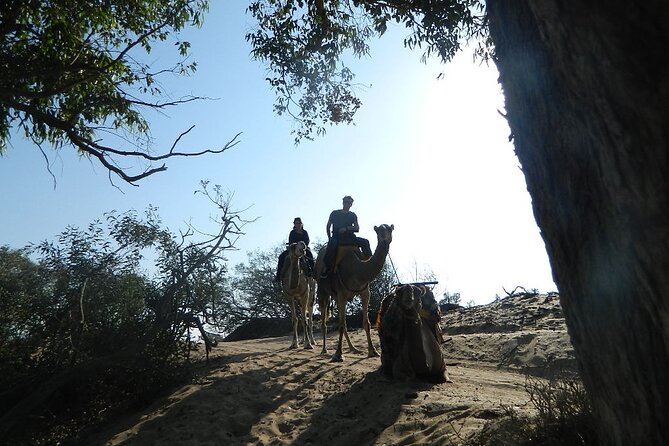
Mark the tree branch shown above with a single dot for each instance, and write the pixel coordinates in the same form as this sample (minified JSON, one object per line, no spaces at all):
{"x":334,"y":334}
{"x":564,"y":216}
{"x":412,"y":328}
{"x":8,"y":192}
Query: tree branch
{"x":102,"y":152}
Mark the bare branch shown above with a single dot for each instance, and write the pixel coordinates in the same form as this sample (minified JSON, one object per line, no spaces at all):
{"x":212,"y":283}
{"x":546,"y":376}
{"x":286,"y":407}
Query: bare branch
{"x":102,"y":152}
{"x":48,"y":165}
{"x":513,"y":293}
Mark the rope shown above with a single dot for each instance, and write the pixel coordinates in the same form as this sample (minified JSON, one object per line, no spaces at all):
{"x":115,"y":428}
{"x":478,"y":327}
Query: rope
{"x":394,"y":270}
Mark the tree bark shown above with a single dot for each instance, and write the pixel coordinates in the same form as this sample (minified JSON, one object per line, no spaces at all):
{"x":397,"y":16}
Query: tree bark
{"x":587,"y":98}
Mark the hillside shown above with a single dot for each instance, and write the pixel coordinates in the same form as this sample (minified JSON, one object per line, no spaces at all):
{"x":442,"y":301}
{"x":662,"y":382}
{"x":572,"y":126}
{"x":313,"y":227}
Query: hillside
{"x":260,"y":392}
{"x":525,"y":333}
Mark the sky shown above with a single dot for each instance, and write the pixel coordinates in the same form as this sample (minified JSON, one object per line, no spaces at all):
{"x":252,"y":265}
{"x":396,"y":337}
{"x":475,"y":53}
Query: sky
{"x":429,"y":154}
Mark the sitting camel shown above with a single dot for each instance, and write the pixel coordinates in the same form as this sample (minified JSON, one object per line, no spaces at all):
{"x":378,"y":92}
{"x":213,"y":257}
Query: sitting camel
{"x":408,"y":324}
{"x":299,"y":289}
{"x":351,"y":277}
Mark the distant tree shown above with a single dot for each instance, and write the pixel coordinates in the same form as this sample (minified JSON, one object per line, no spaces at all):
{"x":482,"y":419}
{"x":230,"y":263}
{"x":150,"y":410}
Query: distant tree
{"x":450,"y":298}
{"x":423,"y":273}
{"x":72,"y":72}
{"x":194,"y":274}
{"x":257,"y":295}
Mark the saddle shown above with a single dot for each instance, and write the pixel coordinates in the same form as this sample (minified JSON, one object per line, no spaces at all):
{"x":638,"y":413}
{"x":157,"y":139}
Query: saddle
{"x":344,"y":250}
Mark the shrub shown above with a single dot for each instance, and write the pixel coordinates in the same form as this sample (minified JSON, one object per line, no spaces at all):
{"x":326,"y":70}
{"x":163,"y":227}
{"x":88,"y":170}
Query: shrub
{"x":563,"y":417}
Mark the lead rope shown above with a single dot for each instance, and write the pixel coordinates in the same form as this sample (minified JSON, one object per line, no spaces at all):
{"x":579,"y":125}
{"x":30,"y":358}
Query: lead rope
{"x":394,"y":270}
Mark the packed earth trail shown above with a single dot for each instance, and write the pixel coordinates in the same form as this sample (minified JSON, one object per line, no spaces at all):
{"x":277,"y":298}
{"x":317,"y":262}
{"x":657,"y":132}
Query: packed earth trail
{"x":260,"y":392}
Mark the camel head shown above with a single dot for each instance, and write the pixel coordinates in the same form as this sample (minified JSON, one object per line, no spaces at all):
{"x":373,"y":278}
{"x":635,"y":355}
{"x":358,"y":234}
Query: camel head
{"x":384,"y":233}
{"x":408,"y":299}
{"x":298,"y":249}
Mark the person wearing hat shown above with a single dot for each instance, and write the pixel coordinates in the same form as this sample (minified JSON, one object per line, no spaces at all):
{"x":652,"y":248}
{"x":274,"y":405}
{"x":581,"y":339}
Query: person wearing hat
{"x":341,"y":228}
{"x":297,"y":234}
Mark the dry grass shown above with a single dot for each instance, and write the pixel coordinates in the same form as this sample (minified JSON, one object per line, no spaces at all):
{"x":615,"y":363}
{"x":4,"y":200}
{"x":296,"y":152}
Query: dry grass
{"x":563,"y":417}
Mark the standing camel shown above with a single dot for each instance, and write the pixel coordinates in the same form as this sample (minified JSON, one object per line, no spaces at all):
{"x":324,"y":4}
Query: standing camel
{"x":351,"y":277}
{"x":299,"y":289}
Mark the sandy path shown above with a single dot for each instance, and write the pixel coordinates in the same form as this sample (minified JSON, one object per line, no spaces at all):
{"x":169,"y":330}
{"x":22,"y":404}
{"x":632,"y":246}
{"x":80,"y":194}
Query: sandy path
{"x":259,"y":392}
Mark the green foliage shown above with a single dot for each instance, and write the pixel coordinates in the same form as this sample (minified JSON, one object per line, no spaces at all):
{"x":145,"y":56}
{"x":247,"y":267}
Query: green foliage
{"x":72,"y":70}
{"x":303,"y":44}
{"x":258,"y":295}
{"x":81,"y":304}
{"x":23,"y":297}
{"x":95,"y":291}
{"x":85,"y":330}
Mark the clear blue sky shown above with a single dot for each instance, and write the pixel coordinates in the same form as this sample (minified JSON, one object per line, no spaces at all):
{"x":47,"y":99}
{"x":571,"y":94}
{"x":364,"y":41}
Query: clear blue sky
{"x":430,"y":156}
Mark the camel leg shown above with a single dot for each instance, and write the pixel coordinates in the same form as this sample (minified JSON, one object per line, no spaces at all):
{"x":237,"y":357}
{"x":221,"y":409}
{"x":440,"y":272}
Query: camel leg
{"x":324,"y":308}
{"x":350,"y":344}
{"x":348,"y":340}
{"x":372,"y":352}
{"x":306,"y":323}
{"x":310,"y":311}
{"x":311,"y":330}
{"x":293,"y":316}
{"x":341,"y":310}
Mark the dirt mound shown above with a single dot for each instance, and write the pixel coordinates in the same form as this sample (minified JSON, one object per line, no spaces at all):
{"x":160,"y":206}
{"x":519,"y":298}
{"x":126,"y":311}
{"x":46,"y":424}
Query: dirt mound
{"x":526,"y":333}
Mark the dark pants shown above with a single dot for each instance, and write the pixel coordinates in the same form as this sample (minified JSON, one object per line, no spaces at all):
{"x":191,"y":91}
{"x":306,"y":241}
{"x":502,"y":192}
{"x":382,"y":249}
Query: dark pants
{"x":363,"y":243}
{"x":309,"y":263}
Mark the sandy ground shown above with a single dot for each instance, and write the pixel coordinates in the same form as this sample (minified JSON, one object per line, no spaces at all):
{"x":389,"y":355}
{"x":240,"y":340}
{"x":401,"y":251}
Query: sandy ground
{"x":259,"y":392}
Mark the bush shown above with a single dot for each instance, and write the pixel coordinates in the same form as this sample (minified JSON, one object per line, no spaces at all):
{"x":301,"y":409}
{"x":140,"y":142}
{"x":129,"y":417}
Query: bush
{"x":84,"y":331}
{"x":450,"y":298}
{"x":563,"y":417}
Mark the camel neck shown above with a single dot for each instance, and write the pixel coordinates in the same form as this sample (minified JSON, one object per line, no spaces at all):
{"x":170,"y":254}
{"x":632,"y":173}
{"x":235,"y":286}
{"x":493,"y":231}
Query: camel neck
{"x":375,"y":263}
{"x":293,"y":272}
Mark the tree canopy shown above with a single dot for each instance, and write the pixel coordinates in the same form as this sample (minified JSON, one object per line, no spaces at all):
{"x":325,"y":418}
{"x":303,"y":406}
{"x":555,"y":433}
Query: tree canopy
{"x":72,"y":73}
{"x":303,"y":43}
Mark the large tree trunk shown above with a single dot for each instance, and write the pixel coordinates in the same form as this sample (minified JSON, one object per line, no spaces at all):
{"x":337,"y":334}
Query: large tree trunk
{"x":587,"y":98}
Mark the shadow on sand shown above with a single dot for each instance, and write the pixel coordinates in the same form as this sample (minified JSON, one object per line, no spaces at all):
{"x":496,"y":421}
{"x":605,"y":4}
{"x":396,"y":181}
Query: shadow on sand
{"x":302,"y":399}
